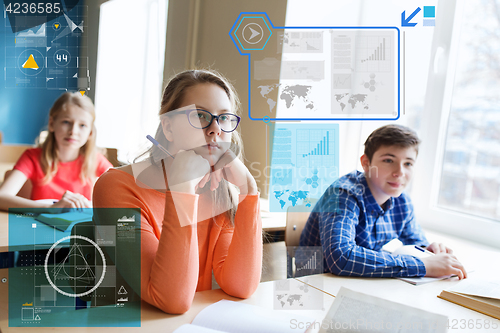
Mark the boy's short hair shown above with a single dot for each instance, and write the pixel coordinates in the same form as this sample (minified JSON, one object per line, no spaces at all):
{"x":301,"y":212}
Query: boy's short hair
{"x":390,"y":135}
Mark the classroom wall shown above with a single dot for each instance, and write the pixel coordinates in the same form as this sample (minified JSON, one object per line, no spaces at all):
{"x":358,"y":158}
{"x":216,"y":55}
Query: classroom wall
{"x":198,"y":36}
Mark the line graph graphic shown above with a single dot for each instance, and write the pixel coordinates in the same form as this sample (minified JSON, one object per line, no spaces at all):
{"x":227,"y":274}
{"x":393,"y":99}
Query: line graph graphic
{"x":282,"y":176}
{"x":341,"y":81}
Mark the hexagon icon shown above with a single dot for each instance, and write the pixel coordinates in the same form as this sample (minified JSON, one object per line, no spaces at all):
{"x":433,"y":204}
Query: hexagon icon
{"x":252,"y":32}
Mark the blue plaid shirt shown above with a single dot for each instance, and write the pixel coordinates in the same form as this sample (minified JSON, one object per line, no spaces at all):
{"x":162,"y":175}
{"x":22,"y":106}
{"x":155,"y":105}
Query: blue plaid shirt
{"x":352,"y":228}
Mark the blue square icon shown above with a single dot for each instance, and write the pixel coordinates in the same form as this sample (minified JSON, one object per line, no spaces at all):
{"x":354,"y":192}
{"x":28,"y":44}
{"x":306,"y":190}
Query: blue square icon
{"x":429,"y":11}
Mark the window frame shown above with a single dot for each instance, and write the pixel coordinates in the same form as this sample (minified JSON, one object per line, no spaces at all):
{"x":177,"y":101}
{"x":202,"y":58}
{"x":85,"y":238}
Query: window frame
{"x":436,"y":113}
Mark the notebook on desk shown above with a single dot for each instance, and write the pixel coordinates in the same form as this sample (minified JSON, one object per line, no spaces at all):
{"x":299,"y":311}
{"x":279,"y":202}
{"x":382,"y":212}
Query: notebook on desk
{"x":418,"y":252}
{"x":65,"y":221}
{"x":244,"y":318}
{"x":476,"y":294}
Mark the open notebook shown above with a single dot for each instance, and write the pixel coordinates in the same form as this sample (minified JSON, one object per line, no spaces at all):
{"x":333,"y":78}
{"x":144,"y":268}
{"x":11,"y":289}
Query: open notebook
{"x":228,"y":316}
{"x":66,"y":221}
{"x":476,"y":294}
{"x":353,"y":311}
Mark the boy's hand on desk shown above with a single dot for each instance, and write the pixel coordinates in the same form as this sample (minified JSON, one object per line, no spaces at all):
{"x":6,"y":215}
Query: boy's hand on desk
{"x":437,"y":248}
{"x":443,"y":264}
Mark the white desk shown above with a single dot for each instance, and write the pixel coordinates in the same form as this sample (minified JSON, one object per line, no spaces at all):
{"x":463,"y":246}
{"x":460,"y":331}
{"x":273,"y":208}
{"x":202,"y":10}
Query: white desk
{"x":271,"y":221}
{"x":482,"y":259}
{"x":153,"y":319}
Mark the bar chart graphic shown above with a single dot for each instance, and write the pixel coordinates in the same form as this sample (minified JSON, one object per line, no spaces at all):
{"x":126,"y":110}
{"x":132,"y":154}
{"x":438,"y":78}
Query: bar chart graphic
{"x":310,"y":264}
{"x":304,"y":162}
{"x":315,"y":148}
{"x":308,"y":260}
{"x":373,"y":53}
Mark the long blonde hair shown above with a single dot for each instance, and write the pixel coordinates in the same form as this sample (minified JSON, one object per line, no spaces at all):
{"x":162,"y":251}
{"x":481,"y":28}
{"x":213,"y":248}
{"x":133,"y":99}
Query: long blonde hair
{"x":173,"y":94}
{"x":49,"y":158}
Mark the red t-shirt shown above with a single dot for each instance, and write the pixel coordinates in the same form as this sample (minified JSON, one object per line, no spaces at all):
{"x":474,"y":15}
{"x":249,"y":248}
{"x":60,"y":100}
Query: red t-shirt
{"x":67,"y":177}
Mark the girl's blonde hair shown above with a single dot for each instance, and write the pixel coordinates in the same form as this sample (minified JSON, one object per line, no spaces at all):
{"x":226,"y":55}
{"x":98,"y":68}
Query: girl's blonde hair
{"x":50,"y":155}
{"x":174,"y":92}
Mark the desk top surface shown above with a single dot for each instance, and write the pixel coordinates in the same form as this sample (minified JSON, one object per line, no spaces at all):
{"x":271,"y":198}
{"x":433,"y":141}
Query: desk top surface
{"x":483,"y":259}
{"x":153,"y":319}
{"x":271,"y":222}
{"x":30,"y":234}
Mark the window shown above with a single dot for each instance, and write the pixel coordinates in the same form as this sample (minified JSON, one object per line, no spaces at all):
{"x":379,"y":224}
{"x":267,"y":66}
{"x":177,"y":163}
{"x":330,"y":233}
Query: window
{"x":458,"y":191}
{"x":129,"y":79}
{"x":470,"y":176}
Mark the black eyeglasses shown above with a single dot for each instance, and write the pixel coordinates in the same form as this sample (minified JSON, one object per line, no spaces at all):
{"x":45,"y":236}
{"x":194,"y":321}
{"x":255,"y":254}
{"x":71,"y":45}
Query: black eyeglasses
{"x":201,"y":118}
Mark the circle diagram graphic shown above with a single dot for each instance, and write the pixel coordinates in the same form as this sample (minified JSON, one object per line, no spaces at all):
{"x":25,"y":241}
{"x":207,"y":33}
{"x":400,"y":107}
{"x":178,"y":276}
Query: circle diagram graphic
{"x":30,"y":62}
{"x":250,"y":33}
{"x":80,"y":272}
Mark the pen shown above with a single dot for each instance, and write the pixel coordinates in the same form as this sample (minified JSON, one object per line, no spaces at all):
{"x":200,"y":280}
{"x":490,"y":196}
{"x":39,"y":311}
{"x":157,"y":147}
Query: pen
{"x":157,"y":144}
{"x":423,"y":250}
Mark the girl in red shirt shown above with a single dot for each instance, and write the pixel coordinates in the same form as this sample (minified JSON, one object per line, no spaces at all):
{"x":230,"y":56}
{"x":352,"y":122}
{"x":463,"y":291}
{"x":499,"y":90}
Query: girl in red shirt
{"x":65,"y":166}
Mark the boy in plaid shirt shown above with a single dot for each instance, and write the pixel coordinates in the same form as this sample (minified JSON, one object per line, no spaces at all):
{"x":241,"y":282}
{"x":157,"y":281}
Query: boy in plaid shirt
{"x":362,"y":211}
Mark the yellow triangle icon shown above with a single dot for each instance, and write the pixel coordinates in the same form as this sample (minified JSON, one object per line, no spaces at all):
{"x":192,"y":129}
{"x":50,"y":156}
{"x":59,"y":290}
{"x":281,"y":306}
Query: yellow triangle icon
{"x":30,"y":63}
{"x":82,"y":92}
{"x":56,"y":25}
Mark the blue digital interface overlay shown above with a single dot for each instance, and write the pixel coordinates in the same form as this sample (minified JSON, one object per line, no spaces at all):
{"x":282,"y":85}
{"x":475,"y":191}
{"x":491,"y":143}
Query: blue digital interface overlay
{"x":319,"y":73}
{"x":305,"y":161}
{"x":47,"y":50}
{"x":75,"y":269}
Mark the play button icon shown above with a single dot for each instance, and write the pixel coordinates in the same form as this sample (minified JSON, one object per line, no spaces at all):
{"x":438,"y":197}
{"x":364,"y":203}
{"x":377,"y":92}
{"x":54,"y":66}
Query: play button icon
{"x":252,"y":33}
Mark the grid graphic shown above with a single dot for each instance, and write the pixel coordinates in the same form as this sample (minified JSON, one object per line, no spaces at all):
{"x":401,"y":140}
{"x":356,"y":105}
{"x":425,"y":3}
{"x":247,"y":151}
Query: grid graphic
{"x":51,"y":55}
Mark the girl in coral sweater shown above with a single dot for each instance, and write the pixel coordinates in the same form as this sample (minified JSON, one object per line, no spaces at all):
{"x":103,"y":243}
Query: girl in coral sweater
{"x":199,"y":203}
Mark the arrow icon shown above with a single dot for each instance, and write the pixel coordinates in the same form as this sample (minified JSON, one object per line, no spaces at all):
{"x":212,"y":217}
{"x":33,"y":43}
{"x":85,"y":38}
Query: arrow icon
{"x":405,"y":22}
{"x":254,"y":33}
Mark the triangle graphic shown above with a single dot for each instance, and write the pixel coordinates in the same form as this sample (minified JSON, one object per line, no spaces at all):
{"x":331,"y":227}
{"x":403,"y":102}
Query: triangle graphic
{"x":254,"y":33}
{"x":56,"y":25}
{"x":88,"y":275}
{"x":30,"y":63}
{"x":122,"y":291}
{"x":38,"y":317}
{"x":83,"y":93}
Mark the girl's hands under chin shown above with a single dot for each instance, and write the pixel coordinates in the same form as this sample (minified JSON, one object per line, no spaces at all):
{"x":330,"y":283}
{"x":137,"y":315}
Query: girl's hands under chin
{"x":234,"y":171}
{"x":188,"y":172}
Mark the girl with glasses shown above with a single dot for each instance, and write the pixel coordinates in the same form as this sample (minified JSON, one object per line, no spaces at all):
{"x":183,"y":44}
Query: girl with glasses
{"x":199,"y":203}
